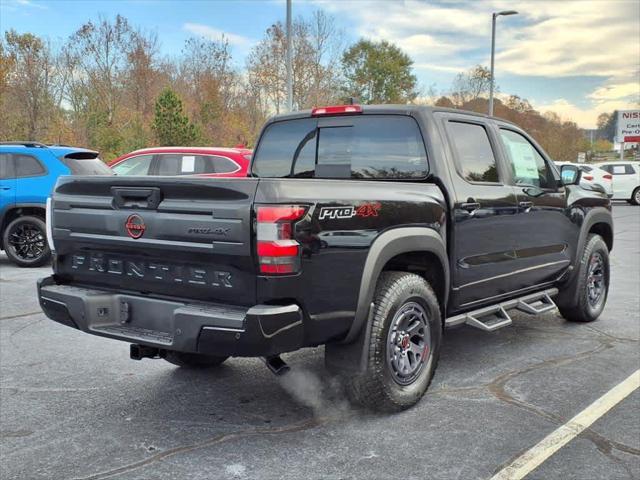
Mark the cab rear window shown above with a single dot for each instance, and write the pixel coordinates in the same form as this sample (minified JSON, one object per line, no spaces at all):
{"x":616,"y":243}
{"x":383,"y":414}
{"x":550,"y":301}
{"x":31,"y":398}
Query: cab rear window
{"x":356,"y":147}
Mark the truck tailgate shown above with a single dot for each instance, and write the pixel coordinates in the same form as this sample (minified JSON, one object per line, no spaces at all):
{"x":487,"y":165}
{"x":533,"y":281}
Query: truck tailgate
{"x":171,"y":236}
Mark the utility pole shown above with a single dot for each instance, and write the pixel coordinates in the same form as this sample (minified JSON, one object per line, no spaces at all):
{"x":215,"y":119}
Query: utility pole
{"x":494,"y":16}
{"x":289,"y":55}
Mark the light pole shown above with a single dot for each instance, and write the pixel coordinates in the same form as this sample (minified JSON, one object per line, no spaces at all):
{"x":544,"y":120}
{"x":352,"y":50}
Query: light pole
{"x":493,"y":50}
{"x":288,"y":60}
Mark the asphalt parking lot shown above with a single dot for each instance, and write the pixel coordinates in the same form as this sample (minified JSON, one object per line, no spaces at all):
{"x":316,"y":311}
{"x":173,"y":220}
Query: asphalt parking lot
{"x":74,"y":406}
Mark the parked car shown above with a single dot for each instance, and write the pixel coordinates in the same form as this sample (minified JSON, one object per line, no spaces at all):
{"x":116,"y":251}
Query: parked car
{"x":201,"y":161}
{"x":626,"y":180}
{"x":591,"y":176}
{"x":28,"y":172}
{"x":460,"y":219}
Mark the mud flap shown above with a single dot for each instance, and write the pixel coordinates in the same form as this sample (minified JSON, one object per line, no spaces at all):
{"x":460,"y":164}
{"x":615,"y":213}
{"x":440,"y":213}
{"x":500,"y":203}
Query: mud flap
{"x":350,"y":358}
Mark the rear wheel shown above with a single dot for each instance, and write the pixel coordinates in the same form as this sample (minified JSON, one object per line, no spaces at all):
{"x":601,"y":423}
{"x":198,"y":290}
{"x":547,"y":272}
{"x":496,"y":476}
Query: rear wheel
{"x":193,"y":360}
{"x":584,"y":298}
{"x":404,"y":347}
{"x":635,"y":197}
{"x":25,"y":242}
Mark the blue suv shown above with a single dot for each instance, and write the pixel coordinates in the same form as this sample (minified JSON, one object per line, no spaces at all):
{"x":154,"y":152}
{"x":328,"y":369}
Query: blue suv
{"x":28,"y":172}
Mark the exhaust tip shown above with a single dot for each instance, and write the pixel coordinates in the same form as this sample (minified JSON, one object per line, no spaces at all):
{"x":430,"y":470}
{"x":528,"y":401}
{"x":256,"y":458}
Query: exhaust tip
{"x":277,"y":366}
{"x":138,"y":352}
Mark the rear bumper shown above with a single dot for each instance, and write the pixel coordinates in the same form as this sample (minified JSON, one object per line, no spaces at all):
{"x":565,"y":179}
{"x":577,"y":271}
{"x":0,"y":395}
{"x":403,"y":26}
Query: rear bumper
{"x":172,"y":325}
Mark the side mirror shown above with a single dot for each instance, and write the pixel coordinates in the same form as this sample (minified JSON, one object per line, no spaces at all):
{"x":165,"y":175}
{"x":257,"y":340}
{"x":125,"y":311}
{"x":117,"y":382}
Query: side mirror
{"x":570,"y":175}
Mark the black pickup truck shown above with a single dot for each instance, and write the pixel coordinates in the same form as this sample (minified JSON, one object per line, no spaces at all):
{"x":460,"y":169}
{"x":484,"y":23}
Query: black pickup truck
{"x":367,"y":229}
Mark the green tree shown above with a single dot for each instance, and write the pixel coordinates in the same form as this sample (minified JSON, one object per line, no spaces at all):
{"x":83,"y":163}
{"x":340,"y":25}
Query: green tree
{"x":170,"y":125}
{"x":378,"y":72}
{"x":607,"y":125}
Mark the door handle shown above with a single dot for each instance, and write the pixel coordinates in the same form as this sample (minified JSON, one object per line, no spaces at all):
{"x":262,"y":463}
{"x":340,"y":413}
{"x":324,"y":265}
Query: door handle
{"x":5,"y":188}
{"x":526,"y":205}
{"x":470,"y":206}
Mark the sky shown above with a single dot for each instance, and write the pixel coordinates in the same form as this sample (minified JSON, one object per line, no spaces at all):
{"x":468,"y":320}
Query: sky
{"x":577,"y":58}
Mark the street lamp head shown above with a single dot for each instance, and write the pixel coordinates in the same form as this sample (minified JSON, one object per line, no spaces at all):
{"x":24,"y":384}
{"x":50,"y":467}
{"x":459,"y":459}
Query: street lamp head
{"x":506,"y":12}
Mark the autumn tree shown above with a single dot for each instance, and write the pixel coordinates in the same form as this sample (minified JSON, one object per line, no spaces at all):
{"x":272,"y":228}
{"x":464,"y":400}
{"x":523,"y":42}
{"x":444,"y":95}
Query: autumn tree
{"x":208,"y":83}
{"x":142,"y":73}
{"x":378,"y":72}
{"x":100,"y":51}
{"x":602,"y":145}
{"x":471,"y":85}
{"x":28,"y":84}
{"x":315,"y":54}
{"x":170,"y":125}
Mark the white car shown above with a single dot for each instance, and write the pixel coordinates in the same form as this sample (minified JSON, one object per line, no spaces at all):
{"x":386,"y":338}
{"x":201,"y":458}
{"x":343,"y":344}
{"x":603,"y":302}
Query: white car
{"x":592,"y":175}
{"x":626,"y":180}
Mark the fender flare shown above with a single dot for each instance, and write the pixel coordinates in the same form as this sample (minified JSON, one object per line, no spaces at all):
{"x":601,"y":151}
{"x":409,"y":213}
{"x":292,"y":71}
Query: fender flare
{"x":567,"y":294}
{"x":592,"y":218}
{"x":386,"y":246}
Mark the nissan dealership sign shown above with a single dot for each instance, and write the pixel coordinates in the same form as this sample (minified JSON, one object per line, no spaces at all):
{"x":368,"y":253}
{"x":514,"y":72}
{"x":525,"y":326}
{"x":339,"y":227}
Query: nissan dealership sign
{"x":628,"y":126}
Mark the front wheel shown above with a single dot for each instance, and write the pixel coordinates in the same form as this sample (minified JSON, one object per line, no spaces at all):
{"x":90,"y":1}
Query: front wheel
{"x":193,"y":360}
{"x":635,"y":197}
{"x":404,"y":346}
{"x":584,"y":298}
{"x":25,"y":242}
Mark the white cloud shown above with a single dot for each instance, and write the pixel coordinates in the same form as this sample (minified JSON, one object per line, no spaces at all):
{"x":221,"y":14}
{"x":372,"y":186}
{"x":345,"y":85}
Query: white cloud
{"x":546,"y":39}
{"x":575,"y":38}
{"x":584,"y":117}
{"x":617,"y":91}
{"x":216,"y":34}
{"x":19,"y":5}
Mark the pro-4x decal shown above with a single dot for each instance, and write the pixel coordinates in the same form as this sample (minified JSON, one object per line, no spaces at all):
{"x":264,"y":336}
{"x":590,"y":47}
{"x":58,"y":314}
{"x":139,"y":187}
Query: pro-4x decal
{"x":364,"y":210}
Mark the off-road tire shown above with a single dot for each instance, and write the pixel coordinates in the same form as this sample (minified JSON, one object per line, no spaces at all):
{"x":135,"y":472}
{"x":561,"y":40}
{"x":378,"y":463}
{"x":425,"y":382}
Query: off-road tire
{"x":573,"y":301}
{"x":376,"y":388}
{"x":35,"y":223}
{"x":193,"y":360}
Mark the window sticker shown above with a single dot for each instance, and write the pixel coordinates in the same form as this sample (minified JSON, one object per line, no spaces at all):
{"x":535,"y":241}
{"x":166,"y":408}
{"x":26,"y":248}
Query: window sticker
{"x":524,"y":161}
{"x":619,"y":169}
{"x":188,"y":164}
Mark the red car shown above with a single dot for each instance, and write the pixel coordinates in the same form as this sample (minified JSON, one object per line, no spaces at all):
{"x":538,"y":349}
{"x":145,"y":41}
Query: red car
{"x":201,"y":161}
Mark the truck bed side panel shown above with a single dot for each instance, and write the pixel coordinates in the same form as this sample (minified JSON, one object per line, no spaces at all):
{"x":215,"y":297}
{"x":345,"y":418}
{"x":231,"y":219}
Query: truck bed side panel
{"x":345,"y":217}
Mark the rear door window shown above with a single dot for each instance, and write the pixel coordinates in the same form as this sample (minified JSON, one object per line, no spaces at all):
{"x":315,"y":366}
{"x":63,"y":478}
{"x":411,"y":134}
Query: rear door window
{"x":625,"y":169}
{"x":28,"y":166}
{"x":222,"y":165}
{"x":193,"y":164}
{"x":134,"y":166}
{"x":6,"y":166}
{"x":473,"y":151}
{"x":357,"y":147}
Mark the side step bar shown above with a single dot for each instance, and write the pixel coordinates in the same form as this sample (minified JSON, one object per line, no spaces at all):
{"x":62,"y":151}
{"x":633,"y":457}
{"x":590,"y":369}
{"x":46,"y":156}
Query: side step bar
{"x":494,"y":317}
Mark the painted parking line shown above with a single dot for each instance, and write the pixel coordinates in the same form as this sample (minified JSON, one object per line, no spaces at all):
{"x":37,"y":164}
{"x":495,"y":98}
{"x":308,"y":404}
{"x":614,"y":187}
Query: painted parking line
{"x":553,"y":442}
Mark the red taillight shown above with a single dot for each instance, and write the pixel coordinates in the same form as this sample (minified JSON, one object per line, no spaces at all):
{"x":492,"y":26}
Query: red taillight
{"x":280,"y":213}
{"x":278,"y":251}
{"x":336,"y":110}
{"x":607,"y":176}
{"x":588,"y":177}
